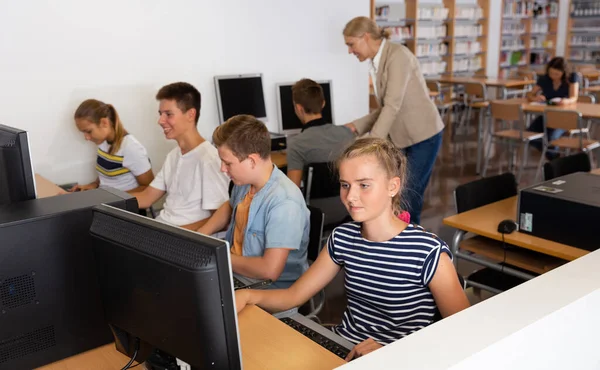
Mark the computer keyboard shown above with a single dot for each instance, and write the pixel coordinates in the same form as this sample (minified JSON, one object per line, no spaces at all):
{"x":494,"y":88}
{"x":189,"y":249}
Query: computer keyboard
{"x":321,"y":340}
{"x":237,"y":284}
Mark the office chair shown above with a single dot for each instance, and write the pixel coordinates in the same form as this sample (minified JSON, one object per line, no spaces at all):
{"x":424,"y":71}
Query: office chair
{"x":562,"y":166}
{"x":317,"y":219}
{"x":476,"y":194}
{"x":322,"y":188}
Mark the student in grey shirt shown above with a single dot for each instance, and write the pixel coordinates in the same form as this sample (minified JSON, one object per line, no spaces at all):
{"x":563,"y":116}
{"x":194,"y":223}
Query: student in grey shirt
{"x":319,"y":141}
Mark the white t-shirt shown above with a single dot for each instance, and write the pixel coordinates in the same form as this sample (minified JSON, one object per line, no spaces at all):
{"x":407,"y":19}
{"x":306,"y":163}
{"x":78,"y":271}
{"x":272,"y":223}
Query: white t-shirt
{"x":120,"y":169}
{"x":194,"y":185}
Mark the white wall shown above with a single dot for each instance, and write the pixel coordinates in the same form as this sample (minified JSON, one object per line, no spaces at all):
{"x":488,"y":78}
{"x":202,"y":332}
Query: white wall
{"x":55,"y":55}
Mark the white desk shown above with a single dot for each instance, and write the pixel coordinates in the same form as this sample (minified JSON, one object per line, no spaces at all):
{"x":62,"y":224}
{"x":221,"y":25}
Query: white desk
{"x":550,"y":322}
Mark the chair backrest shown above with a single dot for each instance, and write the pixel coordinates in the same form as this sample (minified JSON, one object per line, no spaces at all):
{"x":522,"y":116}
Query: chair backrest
{"x":433,"y":86}
{"x":562,"y":166}
{"x":321,"y":180}
{"x":562,"y":119}
{"x":476,"y":90}
{"x":485,"y":191}
{"x":586,"y":98}
{"x":506,"y":111}
{"x":527,"y":75}
{"x":317,"y":220}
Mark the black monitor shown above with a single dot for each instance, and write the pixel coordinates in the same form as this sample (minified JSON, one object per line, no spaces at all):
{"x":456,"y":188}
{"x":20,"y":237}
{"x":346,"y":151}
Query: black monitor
{"x":288,"y":121}
{"x":17,"y":181}
{"x":240,"y":94}
{"x":166,"y":288}
{"x":50,"y":306}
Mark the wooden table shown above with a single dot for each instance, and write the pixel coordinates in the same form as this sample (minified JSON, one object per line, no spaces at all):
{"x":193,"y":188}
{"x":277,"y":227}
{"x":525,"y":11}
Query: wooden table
{"x":279,"y":158}
{"x":484,"y":221}
{"x":46,"y":188}
{"x":266,"y":343}
{"x":502,"y":84}
{"x":587,"y":110}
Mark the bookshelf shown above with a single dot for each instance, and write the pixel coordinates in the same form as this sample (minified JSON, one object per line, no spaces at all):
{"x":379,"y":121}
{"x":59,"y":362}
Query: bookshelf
{"x":583,"y":37}
{"x":528,"y":32}
{"x":447,"y":36}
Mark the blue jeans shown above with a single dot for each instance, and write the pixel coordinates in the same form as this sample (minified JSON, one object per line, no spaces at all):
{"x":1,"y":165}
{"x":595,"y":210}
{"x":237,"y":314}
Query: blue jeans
{"x":421,"y":158}
{"x":538,"y":126}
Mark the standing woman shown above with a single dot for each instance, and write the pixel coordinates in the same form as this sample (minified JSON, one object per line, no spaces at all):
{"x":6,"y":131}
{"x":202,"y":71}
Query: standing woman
{"x":122,"y":161}
{"x":406,"y":115}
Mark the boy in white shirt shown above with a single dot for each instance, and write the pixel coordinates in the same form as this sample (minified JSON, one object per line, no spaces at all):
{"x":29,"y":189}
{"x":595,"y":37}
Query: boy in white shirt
{"x":191,"y":175}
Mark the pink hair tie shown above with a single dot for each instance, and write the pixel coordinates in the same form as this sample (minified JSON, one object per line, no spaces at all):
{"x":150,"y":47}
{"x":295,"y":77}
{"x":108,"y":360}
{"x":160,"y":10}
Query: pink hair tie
{"x":404,"y":216}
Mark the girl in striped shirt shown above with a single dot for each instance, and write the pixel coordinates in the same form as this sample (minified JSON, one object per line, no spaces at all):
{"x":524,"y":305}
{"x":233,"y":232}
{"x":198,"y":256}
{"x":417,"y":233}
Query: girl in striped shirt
{"x":396,"y":274}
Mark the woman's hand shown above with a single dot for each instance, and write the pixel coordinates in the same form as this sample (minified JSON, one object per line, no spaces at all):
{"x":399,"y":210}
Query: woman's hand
{"x":351,"y":127}
{"x":539,"y":98}
{"x":241,"y":299}
{"x":363,"y":348}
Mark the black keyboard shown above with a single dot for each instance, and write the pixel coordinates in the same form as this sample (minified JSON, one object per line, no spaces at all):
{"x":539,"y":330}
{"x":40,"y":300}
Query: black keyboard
{"x":237,"y":284}
{"x":321,"y":340}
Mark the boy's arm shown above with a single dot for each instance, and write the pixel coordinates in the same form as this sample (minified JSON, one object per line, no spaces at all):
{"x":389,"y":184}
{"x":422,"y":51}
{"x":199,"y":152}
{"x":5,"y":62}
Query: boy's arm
{"x":269,"y":266}
{"x":148,"y":196}
{"x":284,"y":232}
{"x":218,"y":221}
{"x":295,"y":176}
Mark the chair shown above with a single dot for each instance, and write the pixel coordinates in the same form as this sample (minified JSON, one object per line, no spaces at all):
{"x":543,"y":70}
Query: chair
{"x":562,"y":166}
{"x":476,"y":194}
{"x":320,"y":181}
{"x":588,"y":99}
{"x":317,"y":222}
{"x":565,"y":120}
{"x":513,"y":133}
{"x":442,"y":106}
{"x":475,"y":97}
{"x":322,"y":186}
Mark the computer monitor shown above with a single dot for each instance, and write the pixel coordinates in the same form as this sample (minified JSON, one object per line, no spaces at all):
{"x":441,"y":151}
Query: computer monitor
{"x":288,"y":121}
{"x":240,"y":94}
{"x":167,"y":288}
{"x":50,"y":306}
{"x":17,"y":181}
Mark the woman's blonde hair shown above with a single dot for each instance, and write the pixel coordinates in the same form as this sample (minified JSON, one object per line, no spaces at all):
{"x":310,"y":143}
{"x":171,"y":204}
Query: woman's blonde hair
{"x":94,"y":110}
{"x":390,"y":158}
{"x":361,"y":25}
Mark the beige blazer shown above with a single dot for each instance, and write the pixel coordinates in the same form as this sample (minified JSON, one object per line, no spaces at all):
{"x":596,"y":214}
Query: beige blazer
{"x":406,"y":115}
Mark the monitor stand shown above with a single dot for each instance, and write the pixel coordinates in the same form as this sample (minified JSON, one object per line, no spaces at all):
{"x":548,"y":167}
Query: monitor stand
{"x":160,"y":360}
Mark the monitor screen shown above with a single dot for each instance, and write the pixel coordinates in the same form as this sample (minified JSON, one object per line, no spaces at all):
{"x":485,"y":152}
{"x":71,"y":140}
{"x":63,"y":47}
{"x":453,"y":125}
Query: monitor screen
{"x":240,"y":94}
{"x":168,"y":288}
{"x":17,"y":181}
{"x":288,"y":121}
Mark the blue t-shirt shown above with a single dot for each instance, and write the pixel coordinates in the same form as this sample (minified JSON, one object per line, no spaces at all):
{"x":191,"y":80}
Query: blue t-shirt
{"x":545,"y":83}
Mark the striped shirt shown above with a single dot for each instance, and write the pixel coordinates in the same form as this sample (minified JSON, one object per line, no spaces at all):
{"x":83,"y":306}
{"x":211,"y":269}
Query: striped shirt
{"x":386,"y":282}
{"x":120,"y":170}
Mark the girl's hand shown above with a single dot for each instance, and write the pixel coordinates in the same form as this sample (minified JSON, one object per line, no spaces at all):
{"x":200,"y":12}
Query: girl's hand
{"x":241,"y":299}
{"x":363,"y":348}
{"x":83,"y":187}
{"x":539,"y":99}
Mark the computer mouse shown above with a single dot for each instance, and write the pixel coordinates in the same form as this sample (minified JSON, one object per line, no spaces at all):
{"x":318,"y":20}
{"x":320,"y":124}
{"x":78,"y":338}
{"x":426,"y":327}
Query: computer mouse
{"x":507,"y":226}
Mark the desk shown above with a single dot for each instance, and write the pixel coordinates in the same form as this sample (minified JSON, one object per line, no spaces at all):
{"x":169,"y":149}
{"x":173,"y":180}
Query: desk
{"x":46,"y":188}
{"x":266,"y":344}
{"x":279,"y":159}
{"x":510,"y":330}
{"x":491,"y":82}
{"x":596,"y":171}
{"x":587,"y":110}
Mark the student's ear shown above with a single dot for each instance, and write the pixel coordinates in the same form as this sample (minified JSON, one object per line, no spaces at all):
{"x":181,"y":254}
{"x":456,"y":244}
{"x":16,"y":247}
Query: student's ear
{"x":299,"y":108}
{"x":394,"y":185}
{"x":104,"y":122}
{"x":253,"y":158}
{"x":191,"y":114}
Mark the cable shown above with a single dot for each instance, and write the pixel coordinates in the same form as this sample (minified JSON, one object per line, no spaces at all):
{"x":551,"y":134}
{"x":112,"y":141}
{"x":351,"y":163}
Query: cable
{"x":135,"y":352}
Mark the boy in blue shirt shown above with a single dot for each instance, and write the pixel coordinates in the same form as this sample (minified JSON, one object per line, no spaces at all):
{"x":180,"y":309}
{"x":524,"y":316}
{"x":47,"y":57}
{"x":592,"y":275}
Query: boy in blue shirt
{"x":267,"y":216}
